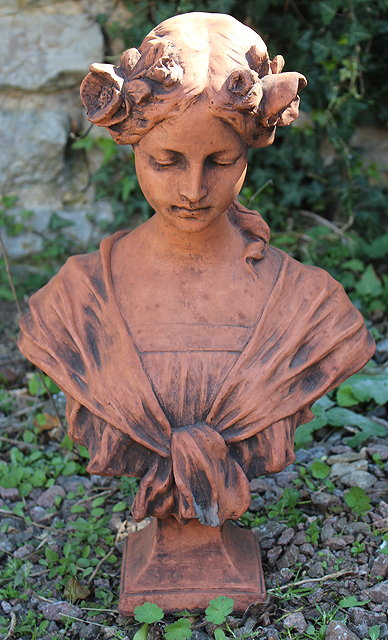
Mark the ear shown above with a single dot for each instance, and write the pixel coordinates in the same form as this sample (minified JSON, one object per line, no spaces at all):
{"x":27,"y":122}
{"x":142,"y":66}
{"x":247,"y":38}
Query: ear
{"x":280,"y":100}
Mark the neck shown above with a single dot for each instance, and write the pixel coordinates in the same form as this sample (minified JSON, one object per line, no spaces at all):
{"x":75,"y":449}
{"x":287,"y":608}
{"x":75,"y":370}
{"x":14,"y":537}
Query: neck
{"x":218,"y":242}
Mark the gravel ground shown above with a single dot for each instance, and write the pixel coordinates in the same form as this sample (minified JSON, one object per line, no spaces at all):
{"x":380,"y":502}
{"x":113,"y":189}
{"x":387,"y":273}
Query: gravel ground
{"x":324,"y":561}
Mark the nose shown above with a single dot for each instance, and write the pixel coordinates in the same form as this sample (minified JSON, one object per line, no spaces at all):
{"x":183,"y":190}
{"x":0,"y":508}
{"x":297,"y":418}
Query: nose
{"x":193,"y":187}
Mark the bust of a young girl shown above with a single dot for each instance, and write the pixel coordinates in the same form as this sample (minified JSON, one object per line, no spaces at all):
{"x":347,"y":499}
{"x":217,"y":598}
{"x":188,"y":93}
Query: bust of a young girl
{"x":190,"y":350}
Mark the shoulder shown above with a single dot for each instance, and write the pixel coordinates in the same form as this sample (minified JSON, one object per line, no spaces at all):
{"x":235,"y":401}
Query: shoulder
{"x":302,"y":276}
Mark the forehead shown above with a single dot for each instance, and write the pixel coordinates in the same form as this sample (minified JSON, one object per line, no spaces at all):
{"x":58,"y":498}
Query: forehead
{"x":195,"y":132}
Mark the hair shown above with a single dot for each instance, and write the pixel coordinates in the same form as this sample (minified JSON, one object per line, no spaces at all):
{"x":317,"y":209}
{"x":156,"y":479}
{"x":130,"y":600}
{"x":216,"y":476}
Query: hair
{"x":187,"y":57}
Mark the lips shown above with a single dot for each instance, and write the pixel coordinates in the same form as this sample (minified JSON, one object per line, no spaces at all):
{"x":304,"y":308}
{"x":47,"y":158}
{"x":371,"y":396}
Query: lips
{"x":185,"y":212}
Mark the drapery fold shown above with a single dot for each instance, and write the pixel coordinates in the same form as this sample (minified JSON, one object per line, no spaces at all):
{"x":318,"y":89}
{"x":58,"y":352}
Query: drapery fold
{"x":307,"y":338}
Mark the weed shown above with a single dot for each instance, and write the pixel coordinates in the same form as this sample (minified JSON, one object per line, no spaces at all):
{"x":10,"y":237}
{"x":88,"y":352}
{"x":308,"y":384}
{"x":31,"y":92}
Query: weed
{"x":357,"y":501}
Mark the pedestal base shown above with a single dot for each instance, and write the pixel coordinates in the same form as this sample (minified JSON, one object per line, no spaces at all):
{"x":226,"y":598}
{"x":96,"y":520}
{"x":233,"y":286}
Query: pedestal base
{"x":183,"y":567}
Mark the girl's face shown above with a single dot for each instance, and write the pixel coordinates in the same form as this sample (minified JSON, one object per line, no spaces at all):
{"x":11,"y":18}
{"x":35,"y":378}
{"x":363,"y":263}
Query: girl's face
{"x":191,"y":168}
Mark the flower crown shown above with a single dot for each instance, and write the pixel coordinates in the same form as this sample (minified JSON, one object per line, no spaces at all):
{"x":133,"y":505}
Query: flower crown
{"x":115,"y":95}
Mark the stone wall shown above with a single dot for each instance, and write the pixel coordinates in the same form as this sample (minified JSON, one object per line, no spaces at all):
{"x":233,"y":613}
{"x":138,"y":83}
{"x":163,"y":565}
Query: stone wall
{"x":46,"y":47}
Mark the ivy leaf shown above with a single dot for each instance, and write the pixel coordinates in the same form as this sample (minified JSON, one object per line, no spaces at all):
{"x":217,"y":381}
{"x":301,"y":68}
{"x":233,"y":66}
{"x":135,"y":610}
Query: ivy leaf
{"x":148,"y":612}
{"x":319,"y":469}
{"x":357,"y":500}
{"x":345,"y":396}
{"x":218,"y":609}
{"x":351,"y":601}
{"x":328,"y":11}
{"x":179,"y":630}
{"x":369,"y":284}
{"x":120,"y":506}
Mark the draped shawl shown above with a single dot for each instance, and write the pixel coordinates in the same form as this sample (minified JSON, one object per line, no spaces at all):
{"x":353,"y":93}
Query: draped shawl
{"x":307,"y":339}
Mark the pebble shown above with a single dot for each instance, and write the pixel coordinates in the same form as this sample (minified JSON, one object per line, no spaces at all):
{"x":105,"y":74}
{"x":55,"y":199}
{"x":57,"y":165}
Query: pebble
{"x":286,"y":536}
{"x":316,"y":596}
{"x":57,"y":610}
{"x":6,"y":607}
{"x":289,"y":558}
{"x":268,"y":532}
{"x":353,"y":528}
{"x":261,"y":485}
{"x":379,"y":567}
{"x":327,"y":531}
{"x":378,"y":593}
{"x":340,"y":469}
{"x":316,"y":570}
{"x":9,"y":493}
{"x":300,"y":538}
{"x":285,"y":478}
{"x":339,"y":542}
{"x":71,"y":483}
{"x":24,"y":551}
{"x":345,"y":458}
{"x":273,"y":554}
{"x":47,"y":499}
{"x":307,"y":549}
{"x":37,"y":513}
{"x":357,"y":615}
{"x":379,"y":449}
{"x":6,"y":543}
{"x":337,"y":631}
{"x":324,"y":501}
{"x":362,"y":479}
{"x":295,"y":621}
{"x":381,"y":353}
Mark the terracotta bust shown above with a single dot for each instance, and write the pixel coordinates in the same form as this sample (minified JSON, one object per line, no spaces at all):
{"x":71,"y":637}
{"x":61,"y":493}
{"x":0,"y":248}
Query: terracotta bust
{"x":189,"y":349}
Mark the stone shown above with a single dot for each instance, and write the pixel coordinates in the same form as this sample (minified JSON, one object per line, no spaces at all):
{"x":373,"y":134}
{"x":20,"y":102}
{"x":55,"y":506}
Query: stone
{"x":316,"y":570}
{"x":299,"y":538}
{"x":273,"y":554}
{"x":72,"y":483}
{"x":307,"y":549}
{"x":338,"y":542}
{"x":346,"y":457}
{"x":378,"y":593}
{"x":289,"y":557}
{"x":340,"y":469}
{"x":10,"y":493}
{"x":47,"y":499}
{"x":268,"y":532}
{"x":338,"y":631}
{"x":38,"y":514}
{"x":6,"y":607}
{"x":357,"y":615}
{"x":379,"y":567}
{"x":57,"y":611}
{"x":286,"y":536}
{"x":327,"y":531}
{"x":295,"y":621}
{"x":24,"y":551}
{"x":35,"y":141}
{"x":54,"y":50}
{"x":362,"y":479}
{"x":324,"y":501}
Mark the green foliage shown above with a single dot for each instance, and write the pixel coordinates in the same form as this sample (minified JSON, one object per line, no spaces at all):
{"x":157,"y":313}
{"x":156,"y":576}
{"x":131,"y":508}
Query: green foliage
{"x":368,"y":388}
{"x":351,"y":601}
{"x":374,"y":632}
{"x":357,"y":500}
{"x":218,"y":610}
{"x":178,"y":630}
{"x":319,"y":469}
{"x":286,"y":508}
{"x":39,"y":384}
{"x":148,"y":612}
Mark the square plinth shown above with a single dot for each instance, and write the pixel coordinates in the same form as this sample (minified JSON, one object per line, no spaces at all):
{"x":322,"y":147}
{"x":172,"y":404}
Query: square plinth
{"x":184,"y":566}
